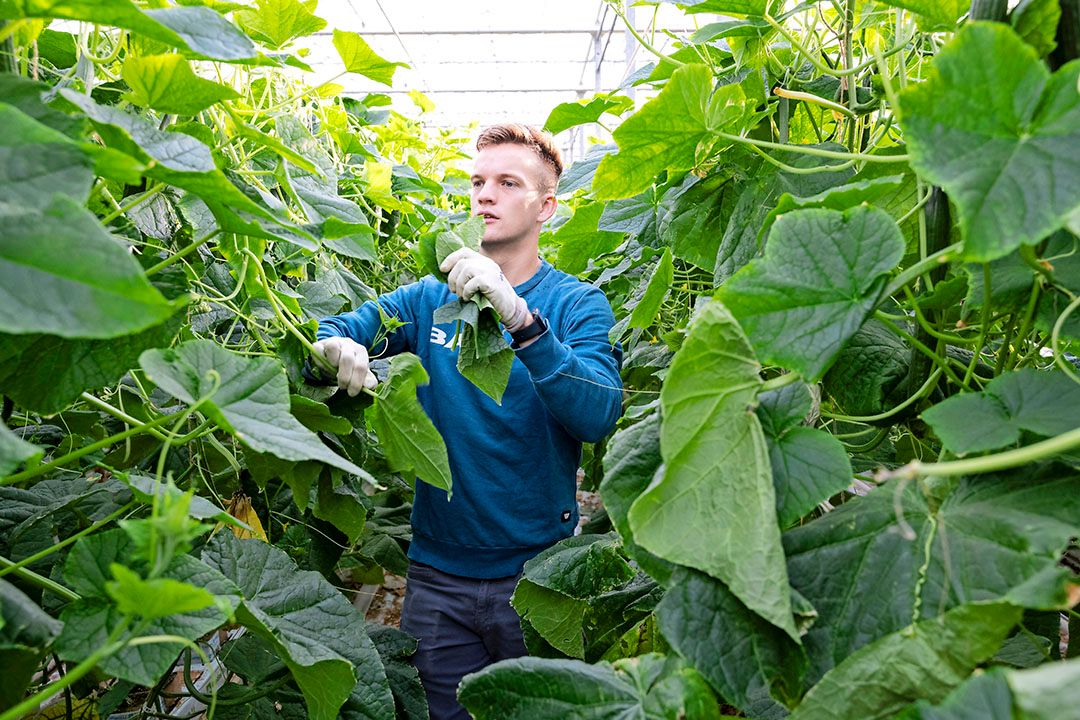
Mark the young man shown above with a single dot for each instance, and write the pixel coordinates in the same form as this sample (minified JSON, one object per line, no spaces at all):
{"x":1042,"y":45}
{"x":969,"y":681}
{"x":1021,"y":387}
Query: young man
{"x":514,"y":466}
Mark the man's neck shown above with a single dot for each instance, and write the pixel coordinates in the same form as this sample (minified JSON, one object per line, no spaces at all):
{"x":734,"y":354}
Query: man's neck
{"x":518,"y":263}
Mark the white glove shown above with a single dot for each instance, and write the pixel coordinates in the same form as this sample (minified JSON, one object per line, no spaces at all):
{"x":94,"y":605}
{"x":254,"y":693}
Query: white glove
{"x":469,"y":272}
{"x":351,"y":360}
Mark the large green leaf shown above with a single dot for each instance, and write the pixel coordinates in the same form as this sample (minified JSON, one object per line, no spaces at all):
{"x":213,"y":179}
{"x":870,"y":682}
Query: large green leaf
{"x":934,"y":14}
{"x":167,"y":84}
{"x":275,"y":23}
{"x":557,"y":617}
{"x":655,"y":291}
{"x":406,"y":434}
{"x":569,"y":114}
{"x":740,"y":654}
{"x":1043,"y":403}
{"x":822,"y":274}
{"x":361,"y":59}
{"x":1046,"y":692}
{"x":32,"y":519}
{"x":247,"y":396}
{"x":120,"y":13}
{"x":714,"y":507}
{"x":981,"y":544}
{"x":22,"y":622}
{"x":37,"y":162}
{"x":88,"y":622}
{"x":484,"y":356}
{"x":630,"y":462}
{"x":311,"y":625}
{"x":997,"y":131}
{"x":870,"y":366}
{"x":139,"y":138}
{"x":983,"y":696}
{"x":14,"y":451}
{"x":46,"y":287}
{"x":808,"y":465}
{"x":184,"y":161}
{"x":198,"y":29}
{"x":25,"y":631}
{"x":694,"y":223}
{"x":552,"y":594}
{"x":1037,"y":22}
{"x":738,"y":7}
{"x":46,"y":373}
{"x":840,"y":197}
{"x":923,"y":661}
{"x":580,"y":174}
{"x":757,"y":196}
{"x":581,"y":240}
{"x":673,"y":131}
{"x":394,"y":648}
{"x":206,"y":33}
{"x":538,"y":689}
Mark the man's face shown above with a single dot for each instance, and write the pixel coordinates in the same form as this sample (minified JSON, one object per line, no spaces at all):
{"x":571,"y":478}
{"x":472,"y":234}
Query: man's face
{"x":508,"y":192}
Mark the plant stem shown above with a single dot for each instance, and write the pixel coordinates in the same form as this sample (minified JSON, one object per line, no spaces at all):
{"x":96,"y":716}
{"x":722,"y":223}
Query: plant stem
{"x":119,"y":414}
{"x":928,"y":263}
{"x":915,"y":397}
{"x":792,"y":170}
{"x":992,"y":463}
{"x":76,"y":454}
{"x":815,"y":99}
{"x":817,"y":152}
{"x":39,"y":580}
{"x":183,"y":253}
{"x":149,"y":194}
{"x":930,"y":329}
{"x":985,"y":329}
{"x":822,"y":67}
{"x":1055,"y":334}
{"x":919,"y":345}
{"x":617,"y":7}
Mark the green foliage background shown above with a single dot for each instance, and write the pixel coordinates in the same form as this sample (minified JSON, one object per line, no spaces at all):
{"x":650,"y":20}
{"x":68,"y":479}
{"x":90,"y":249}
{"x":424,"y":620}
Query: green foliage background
{"x":840,"y":239}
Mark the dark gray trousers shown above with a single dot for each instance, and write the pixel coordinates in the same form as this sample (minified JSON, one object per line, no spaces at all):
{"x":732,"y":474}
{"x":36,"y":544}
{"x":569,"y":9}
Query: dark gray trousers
{"x":463,"y":625}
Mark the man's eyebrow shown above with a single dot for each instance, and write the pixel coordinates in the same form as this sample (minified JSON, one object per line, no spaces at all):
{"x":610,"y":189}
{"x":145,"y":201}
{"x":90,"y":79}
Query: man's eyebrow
{"x":499,"y":175}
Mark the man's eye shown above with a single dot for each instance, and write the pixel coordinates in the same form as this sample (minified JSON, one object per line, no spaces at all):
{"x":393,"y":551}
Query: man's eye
{"x":476,"y":183}
{"x":509,"y":183}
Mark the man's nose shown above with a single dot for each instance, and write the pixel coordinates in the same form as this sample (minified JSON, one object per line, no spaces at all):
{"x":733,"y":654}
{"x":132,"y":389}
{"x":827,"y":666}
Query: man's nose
{"x":485,"y":193}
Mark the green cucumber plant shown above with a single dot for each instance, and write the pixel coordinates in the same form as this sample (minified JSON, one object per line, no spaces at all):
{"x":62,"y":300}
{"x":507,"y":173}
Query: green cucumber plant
{"x":841,"y":239}
{"x":179,"y":207}
{"x":841,"y":242}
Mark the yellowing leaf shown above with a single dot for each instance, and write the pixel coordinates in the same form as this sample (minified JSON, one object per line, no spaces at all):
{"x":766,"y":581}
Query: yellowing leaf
{"x":240,"y":508}
{"x":361,"y":59}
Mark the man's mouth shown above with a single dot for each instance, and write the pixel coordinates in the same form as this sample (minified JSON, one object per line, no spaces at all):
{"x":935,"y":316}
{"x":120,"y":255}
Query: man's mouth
{"x":488,"y":217}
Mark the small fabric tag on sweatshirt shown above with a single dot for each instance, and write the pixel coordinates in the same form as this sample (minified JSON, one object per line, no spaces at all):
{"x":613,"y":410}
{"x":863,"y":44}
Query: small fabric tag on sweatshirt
{"x":566,"y":516}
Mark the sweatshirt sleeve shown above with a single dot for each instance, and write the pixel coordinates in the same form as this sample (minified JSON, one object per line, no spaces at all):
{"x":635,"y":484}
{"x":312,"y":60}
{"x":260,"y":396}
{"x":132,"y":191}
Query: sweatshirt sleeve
{"x":575,"y":369}
{"x":364,"y":323}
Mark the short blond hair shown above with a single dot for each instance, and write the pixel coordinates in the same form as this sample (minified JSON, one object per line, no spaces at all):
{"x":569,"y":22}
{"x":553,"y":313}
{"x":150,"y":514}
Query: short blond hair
{"x":540,"y":142}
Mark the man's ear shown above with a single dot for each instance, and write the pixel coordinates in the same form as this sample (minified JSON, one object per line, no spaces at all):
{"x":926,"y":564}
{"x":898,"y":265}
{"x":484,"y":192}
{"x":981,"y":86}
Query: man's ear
{"x":547,"y":209}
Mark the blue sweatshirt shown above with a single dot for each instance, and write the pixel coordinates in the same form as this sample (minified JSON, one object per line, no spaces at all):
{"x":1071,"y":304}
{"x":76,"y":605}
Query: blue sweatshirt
{"x":514,"y":467}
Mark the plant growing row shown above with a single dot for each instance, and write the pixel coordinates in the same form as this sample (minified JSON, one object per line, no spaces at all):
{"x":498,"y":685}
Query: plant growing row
{"x":841,"y":240}
{"x":842,"y":237}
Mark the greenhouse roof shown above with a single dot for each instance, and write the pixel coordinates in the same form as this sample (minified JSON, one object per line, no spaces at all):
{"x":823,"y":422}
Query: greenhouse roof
{"x":488,"y":62}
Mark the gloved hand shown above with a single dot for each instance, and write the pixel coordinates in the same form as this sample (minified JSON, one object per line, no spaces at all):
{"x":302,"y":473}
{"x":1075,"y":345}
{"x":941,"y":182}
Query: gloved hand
{"x":470,"y":272}
{"x":351,"y":360}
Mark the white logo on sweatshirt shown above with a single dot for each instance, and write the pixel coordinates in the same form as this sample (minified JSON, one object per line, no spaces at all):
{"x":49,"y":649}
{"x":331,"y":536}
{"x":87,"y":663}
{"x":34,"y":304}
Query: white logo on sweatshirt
{"x":438,"y":337}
